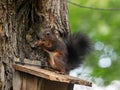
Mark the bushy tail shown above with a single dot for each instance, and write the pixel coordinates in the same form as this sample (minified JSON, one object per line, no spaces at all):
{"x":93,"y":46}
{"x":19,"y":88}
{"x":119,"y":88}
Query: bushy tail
{"x":78,"y":46}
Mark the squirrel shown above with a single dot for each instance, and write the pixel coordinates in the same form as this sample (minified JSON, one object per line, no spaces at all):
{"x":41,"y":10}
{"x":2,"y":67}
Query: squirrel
{"x":64,"y":54}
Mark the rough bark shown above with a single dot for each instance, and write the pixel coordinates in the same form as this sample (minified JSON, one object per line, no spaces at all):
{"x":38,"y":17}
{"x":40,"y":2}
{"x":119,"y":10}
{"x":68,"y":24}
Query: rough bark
{"x":20,"y":24}
{"x":8,"y":42}
{"x":54,"y":14}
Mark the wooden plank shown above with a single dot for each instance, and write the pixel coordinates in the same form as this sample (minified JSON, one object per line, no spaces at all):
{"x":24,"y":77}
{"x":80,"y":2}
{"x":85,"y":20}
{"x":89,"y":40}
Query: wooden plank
{"x":37,"y":71}
{"x":17,"y":81}
{"x":31,"y":82}
{"x":28,"y":61}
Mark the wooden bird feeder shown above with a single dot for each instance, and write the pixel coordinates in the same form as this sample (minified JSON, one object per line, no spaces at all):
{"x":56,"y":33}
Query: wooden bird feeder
{"x":28,"y":77}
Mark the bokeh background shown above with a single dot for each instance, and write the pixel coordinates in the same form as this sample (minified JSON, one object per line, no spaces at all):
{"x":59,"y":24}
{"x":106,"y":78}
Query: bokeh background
{"x":103,"y":26}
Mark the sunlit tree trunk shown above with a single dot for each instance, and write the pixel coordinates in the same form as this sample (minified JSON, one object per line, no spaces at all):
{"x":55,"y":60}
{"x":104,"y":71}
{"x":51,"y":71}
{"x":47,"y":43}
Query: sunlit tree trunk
{"x":20,"y":24}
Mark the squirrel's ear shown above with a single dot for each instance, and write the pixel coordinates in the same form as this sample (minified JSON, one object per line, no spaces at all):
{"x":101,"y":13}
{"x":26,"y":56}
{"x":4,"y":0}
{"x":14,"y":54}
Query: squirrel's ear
{"x":60,"y":34}
{"x":53,"y":30}
{"x":57,"y":32}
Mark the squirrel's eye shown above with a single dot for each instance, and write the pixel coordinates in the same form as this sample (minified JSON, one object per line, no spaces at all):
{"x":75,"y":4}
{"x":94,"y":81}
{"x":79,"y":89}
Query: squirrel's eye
{"x":47,"y":33}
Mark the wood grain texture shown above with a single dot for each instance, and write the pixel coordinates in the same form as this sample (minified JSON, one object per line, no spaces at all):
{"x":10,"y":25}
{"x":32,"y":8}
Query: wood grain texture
{"x":31,"y":82}
{"x":52,"y":76}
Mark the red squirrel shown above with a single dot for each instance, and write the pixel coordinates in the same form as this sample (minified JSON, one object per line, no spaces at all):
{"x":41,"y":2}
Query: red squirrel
{"x":64,"y":54}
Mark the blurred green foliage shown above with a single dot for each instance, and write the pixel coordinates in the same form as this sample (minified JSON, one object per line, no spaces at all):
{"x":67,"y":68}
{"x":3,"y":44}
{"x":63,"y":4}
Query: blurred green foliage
{"x":100,"y":26}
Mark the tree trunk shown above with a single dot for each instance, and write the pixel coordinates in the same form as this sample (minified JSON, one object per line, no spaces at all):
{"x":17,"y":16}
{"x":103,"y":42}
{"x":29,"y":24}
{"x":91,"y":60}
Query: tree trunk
{"x":20,"y":24}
